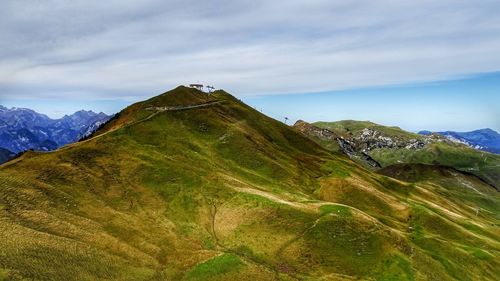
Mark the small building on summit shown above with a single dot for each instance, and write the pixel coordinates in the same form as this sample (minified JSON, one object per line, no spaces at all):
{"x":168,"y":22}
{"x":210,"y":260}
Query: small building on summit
{"x":196,"y":86}
{"x":200,"y":87}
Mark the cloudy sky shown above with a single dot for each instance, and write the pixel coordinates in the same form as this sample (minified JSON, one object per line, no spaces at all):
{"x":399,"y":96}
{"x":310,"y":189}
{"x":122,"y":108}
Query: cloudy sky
{"x":56,"y":55}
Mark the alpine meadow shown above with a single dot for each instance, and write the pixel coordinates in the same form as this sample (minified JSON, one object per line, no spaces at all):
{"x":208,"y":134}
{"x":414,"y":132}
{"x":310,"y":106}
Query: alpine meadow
{"x":249,"y":140}
{"x":190,"y":186}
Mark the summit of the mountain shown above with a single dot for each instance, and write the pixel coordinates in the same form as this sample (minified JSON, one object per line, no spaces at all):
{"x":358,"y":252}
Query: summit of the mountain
{"x":191,"y":186}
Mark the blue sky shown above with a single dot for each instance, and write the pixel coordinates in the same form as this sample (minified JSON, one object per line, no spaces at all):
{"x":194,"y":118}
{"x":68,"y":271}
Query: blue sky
{"x":308,"y":59}
{"x":461,"y":104}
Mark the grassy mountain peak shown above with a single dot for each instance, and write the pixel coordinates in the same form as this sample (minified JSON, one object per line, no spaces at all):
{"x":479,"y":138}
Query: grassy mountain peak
{"x":190,"y":186}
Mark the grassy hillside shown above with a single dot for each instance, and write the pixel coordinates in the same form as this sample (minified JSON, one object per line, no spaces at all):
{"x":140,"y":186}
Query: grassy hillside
{"x":345,"y":127}
{"x":186,"y":186}
{"x":483,"y":164}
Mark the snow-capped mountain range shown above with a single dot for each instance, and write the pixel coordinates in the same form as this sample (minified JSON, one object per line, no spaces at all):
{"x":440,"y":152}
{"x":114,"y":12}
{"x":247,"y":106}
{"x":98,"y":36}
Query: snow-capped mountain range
{"x":483,"y":139}
{"x":22,"y":129}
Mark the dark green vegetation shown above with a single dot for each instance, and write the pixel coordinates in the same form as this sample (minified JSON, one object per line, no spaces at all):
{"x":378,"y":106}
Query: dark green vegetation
{"x":461,"y":157}
{"x":222,"y":192}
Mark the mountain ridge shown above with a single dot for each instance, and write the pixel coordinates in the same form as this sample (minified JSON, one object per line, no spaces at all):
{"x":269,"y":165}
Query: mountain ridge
{"x":223,"y":192}
{"x":22,"y":129}
{"x":483,"y":139}
{"x":377,"y":146}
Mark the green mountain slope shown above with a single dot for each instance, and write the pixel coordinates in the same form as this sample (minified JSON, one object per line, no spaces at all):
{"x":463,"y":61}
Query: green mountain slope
{"x":187,"y":186}
{"x":432,"y":149}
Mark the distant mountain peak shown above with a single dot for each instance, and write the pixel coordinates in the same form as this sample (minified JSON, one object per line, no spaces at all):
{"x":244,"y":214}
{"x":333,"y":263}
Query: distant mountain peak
{"x":82,"y":111}
{"x":487,"y":130}
{"x":183,"y":185}
{"x":22,"y":128}
{"x":483,"y":139}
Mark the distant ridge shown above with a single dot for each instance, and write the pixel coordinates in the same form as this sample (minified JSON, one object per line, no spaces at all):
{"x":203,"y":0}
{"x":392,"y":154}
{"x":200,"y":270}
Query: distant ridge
{"x":23,"y":129}
{"x":482,"y":139}
{"x":187,"y":186}
{"x":376,"y":146}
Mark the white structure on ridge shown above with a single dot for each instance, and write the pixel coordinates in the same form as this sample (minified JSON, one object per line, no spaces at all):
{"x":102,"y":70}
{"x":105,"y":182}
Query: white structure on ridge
{"x":196,"y":86}
{"x":200,"y":87}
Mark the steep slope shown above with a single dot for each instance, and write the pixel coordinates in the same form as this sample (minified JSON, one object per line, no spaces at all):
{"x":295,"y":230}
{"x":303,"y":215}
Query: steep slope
{"x":391,"y":145}
{"x":187,"y":186}
{"x":338,"y":142}
{"x":411,"y":172}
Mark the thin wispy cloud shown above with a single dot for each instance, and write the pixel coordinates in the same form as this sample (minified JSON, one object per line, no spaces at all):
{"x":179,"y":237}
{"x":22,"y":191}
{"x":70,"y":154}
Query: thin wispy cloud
{"x":133,"y":49}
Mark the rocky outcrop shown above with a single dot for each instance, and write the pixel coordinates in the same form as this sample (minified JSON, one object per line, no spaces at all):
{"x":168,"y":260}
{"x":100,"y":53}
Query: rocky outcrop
{"x":314,"y":131}
{"x":346,"y":146}
{"x":350,"y":149}
{"x":370,"y":139}
{"x":358,"y":147}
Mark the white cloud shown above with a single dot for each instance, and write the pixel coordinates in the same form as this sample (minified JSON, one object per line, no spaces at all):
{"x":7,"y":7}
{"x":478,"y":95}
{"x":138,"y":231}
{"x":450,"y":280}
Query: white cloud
{"x":123,"y":49}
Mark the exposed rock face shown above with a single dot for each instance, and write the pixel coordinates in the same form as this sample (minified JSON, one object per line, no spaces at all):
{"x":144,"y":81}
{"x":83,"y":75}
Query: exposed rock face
{"x":92,"y":128}
{"x":312,"y":130}
{"x":371,"y":139}
{"x":350,"y":149}
{"x":359,"y":147}
{"x":346,"y":145}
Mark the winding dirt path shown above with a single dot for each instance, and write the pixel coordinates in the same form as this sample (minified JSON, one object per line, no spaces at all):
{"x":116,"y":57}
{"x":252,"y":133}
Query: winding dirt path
{"x":156,"y":110}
